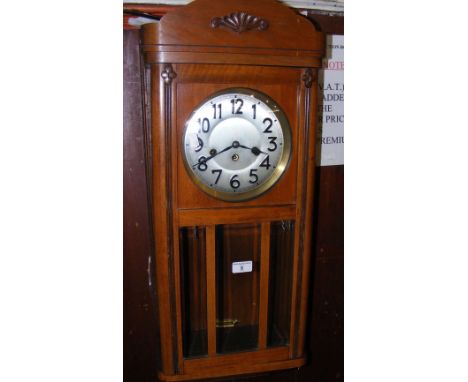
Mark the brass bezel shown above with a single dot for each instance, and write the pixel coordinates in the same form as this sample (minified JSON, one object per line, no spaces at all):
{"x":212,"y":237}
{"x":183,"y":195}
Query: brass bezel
{"x":280,"y":168}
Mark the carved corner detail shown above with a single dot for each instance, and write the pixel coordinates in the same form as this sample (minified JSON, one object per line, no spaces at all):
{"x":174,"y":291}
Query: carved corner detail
{"x":308,"y":77}
{"x":168,"y":74}
{"x":240,"y":22}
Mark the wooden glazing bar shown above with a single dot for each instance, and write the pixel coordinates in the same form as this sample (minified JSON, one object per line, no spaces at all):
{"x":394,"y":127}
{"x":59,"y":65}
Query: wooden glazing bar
{"x":264,"y":282}
{"x":211,"y":289}
{"x":255,"y":280}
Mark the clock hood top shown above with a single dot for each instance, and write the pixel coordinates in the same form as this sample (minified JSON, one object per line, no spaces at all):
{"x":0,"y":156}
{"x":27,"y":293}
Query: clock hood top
{"x":263,"y":32}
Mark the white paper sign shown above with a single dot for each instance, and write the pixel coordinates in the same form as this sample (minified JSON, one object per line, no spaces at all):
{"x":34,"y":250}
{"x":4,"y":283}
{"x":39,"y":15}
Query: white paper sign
{"x":242,"y":267}
{"x":330,"y":132}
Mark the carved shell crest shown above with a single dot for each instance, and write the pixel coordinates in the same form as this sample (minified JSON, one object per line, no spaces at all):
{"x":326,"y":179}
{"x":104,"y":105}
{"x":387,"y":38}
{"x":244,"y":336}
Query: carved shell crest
{"x":240,"y":22}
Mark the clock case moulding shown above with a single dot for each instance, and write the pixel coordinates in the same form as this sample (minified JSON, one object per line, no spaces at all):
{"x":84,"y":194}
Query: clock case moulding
{"x":193,"y":52}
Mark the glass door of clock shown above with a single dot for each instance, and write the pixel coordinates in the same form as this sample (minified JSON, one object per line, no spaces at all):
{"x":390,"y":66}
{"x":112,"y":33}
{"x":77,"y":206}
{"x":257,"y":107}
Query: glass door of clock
{"x":236,"y":283}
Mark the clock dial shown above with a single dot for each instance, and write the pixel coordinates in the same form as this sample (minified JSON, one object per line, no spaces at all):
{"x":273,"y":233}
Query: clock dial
{"x":237,"y":144}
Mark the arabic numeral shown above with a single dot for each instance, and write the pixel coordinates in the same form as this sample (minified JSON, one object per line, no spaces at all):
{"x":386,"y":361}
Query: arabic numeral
{"x":202,"y":166}
{"x":266,"y":163}
{"x":235,"y":102}
{"x":205,"y":124}
{"x":255,"y":176}
{"x":218,"y":171}
{"x":269,"y":123}
{"x":235,"y":184}
{"x":200,"y":145}
{"x":218,"y":107}
{"x":272,"y":142}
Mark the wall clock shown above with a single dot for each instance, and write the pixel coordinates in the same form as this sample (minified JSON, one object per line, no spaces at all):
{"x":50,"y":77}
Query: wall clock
{"x":231,"y":109}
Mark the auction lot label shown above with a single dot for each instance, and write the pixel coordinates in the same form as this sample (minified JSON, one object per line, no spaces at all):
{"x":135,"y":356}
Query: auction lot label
{"x":330,"y":112}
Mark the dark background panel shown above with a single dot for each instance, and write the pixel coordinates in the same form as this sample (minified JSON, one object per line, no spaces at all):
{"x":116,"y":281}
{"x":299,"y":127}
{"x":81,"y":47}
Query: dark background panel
{"x":325,"y":317}
{"x":139,"y":340}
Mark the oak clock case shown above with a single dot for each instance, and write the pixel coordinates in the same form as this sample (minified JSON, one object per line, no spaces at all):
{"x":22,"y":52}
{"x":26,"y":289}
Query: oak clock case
{"x":231,"y":108}
{"x":237,"y":144}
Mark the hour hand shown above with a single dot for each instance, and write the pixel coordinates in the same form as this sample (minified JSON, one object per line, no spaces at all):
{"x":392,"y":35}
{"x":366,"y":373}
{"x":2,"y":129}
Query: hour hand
{"x":255,"y":150}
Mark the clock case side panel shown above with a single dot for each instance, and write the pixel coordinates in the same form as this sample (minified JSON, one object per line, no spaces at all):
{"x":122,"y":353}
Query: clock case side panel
{"x":304,"y":211}
{"x":161,"y":189}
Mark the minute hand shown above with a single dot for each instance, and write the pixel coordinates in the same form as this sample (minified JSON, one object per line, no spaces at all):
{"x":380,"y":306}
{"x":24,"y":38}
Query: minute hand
{"x":204,"y":160}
